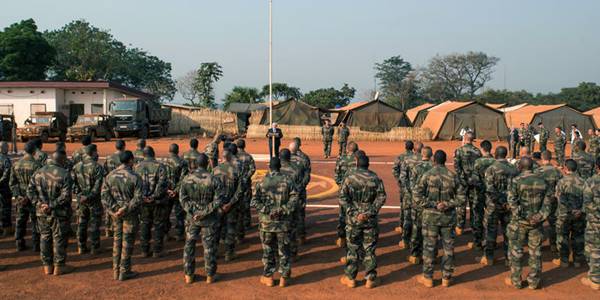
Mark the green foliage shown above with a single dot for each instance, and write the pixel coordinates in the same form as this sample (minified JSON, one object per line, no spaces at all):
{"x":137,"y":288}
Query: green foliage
{"x":24,"y":53}
{"x":242,"y":95}
{"x":397,"y":81}
{"x":505,"y":96}
{"x":281,"y":91}
{"x":330,"y":97}
{"x":207,"y":75}
{"x":583,"y":97}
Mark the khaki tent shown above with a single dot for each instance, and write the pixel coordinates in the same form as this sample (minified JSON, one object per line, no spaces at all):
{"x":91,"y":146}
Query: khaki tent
{"x":293,"y":112}
{"x":595,"y":113}
{"x":244,"y":111}
{"x":374,"y":115}
{"x":551,"y":115}
{"x":496,"y":105}
{"x":447,"y":119}
{"x":418,"y":114}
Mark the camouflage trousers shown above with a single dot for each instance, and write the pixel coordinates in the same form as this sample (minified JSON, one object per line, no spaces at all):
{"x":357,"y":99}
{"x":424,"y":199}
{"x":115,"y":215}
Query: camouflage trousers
{"x":401,"y":215}
{"x":327,"y":148}
{"x":228,"y":231}
{"x":361,"y":243}
{"x":543,"y":146}
{"x":592,"y":250}
{"x":519,"y":235}
{"x":302,"y":215}
{"x":5,"y":209}
{"x":551,"y":231}
{"x":342,"y":147}
{"x":175,"y":207}
{"x":24,"y":213}
{"x":406,"y":207}
{"x":560,"y":156}
{"x":474,"y":202}
{"x":123,"y":241}
{"x":208,"y":234}
{"x":276,"y":245}
{"x":431,"y":234}
{"x":294,"y":232}
{"x":54,"y":237}
{"x":341,"y":226}
{"x":570,"y":238}
{"x":244,"y":215}
{"x":416,"y":238}
{"x":108,"y":222}
{"x":89,"y":217}
{"x":495,"y":218}
{"x":153,"y":220}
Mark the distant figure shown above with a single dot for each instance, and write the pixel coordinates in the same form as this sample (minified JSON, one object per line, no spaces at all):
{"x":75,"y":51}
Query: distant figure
{"x":327,"y":132}
{"x":575,"y":135}
{"x":343,"y":134}
{"x":514,"y":142}
{"x":274,"y":135}
{"x":544,"y":136}
{"x":560,"y":140}
{"x":464,"y":131}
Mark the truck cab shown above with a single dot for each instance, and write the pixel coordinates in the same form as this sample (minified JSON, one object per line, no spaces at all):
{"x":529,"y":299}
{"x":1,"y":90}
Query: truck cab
{"x":140,"y":117}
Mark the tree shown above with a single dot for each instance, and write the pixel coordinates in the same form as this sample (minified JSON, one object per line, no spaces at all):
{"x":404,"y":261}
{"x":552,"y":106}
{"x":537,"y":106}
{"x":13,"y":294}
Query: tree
{"x":24,"y":53}
{"x":185,"y":87}
{"x":506,"y":96}
{"x":206,"y":76}
{"x":583,"y":97}
{"x":393,"y":74}
{"x":242,"y":95}
{"x":459,"y":75}
{"x":281,"y":91}
{"x":330,"y":97}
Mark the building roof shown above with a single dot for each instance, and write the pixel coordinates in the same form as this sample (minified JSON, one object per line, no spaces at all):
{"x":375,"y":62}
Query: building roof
{"x":77,"y":85}
{"x":526,"y":114}
{"x":437,"y":115}
{"x":496,"y":105}
{"x":595,"y":113}
{"x":350,"y":106}
{"x":181,"y":106}
{"x":238,"y":107}
{"x":514,"y":107}
{"x":413,"y":112}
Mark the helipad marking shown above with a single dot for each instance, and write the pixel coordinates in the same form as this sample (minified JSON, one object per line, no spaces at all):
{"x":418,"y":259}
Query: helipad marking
{"x":330,"y":192}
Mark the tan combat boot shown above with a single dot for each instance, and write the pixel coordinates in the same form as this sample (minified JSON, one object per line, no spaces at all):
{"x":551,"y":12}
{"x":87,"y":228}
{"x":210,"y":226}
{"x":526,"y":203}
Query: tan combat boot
{"x":372,"y":283}
{"x":402,"y":245}
{"x":427,"y":282}
{"x":414,"y":260}
{"x":351,"y":283}
{"x":211,"y":279}
{"x":116,"y":274}
{"x":268,"y":281}
{"x":458,"y":231}
{"x":587,"y":282}
{"x":446,"y":282}
{"x":283,"y":282}
{"x":48,"y":270}
{"x":343,"y":260}
{"x":189,"y":279}
{"x":560,"y":263}
{"x":485,"y":261}
{"x":398,"y":229}
{"x":340,"y":242}
{"x":61,"y":270}
{"x":509,"y":282}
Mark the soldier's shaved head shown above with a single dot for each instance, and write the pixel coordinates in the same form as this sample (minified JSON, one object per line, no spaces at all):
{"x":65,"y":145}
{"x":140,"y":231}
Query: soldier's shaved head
{"x":439,"y":158}
{"x":426,"y":153}
{"x":38,"y":143}
{"x":4,"y":147}
{"x":194,"y":143}
{"x":30,"y":147}
{"x":59,"y":157}
{"x":86,"y":140}
{"x":60,"y":146}
{"x":91,"y":149}
{"x":486,"y":146}
{"x":120,"y":145}
{"x":202,"y":161}
{"x":274,"y":164}
{"x":241,"y":143}
{"x":141,"y":144}
{"x":285,"y":155}
{"x":352,"y":147}
{"x":126,"y":157}
{"x":526,"y":164}
{"x":174,"y":148}
{"x":547,"y":155}
{"x":232,"y":148}
{"x":360,"y":153}
{"x":469,"y":137}
{"x":581,"y":145}
{"x":409,"y":145}
{"x":149,"y":152}
{"x":571,"y":165}
{"x":298,"y":141}
{"x":362,"y":162}
{"x":501,"y":152}
{"x":293,"y":147}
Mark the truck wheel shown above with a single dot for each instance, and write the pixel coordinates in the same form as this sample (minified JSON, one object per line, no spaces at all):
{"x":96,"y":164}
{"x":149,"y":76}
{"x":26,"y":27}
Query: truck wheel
{"x":144,"y":133}
{"x":44,"y":137}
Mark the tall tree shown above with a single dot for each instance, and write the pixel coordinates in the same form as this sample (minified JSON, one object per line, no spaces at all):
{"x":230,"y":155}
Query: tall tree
{"x":330,"y":97}
{"x":24,"y":53}
{"x":185,"y":87}
{"x":506,"y":96}
{"x":281,"y":91}
{"x":207,"y":75}
{"x":242,"y":95}
{"x":584,"y":97}
{"x":392,"y":74}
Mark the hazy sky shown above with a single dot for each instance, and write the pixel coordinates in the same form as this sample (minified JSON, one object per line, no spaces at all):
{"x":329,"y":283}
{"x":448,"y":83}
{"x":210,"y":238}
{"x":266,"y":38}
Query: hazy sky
{"x":543,"y":45}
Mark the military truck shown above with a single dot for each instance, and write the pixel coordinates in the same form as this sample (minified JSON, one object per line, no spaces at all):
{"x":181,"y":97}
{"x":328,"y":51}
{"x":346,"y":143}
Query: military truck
{"x":94,"y":125}
{"x":44,"y":125}
{"x":7,"y":124}
{"x":139,"y":117}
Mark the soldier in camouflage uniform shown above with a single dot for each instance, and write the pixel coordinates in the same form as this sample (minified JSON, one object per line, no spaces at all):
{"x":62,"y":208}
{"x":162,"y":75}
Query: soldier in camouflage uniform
{"x":570,"y":224}
{"x":560,"y":140}
{"x":275,"y":200}
{"x":526,"y":136}
{"x":122,"y":197}
{"x":363,"y":194}
{"x":497,"y":179}
{"x":5,"y":194}
{"x":293,"y":172}
{"x":248,"y":170}
{"x":39,"y":155}
{"x":327,"y":132}
{"x":79,"y":154}
{"x":87,"y":177}
{"x":591,"y":209}
{"x":177,"y":169}
{"x":552,"y":175}
{"x":408,"y":164}
{"x":62,"y":147}
{"x":191,"y":156}
{"x":396,"y":169}
{"x":201,"y":196}
{"x":416,"y":238}
{"x":302,"y":160}
{"x":544,"y":136}
{"x":138,"y":154}
{"x":529,"y":202}
{"x":20,"y":176}
{"x":585,"y":161}
{"x":525,"y":153}
{"x":343,"y":134}
{"x":112,"y":162}
{"x":344,"y":166}
{"x":464,"y":164}
{"x":593,"y":143}
{"x":481,"y":165}
{"x":212,"y":151}
{"x":50,"y":194}
{"x":437,"y":194}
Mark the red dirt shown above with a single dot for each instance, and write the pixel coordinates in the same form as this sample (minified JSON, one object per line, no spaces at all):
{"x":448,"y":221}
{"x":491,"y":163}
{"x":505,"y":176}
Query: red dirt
{"x":315,"y":276}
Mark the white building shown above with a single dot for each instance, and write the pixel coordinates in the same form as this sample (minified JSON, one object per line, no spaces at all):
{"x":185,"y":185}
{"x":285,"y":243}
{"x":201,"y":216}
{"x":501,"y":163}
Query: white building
{"x":72,"y":98}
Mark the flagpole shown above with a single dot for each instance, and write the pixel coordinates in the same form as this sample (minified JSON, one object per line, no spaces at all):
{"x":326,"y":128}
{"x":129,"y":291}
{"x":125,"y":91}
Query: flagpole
{"x":271,"y":76}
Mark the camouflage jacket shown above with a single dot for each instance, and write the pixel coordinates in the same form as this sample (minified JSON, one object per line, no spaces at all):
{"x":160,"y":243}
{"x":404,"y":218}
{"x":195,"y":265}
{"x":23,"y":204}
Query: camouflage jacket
{"x":122,"y":188}
{"x":138,"y":155}
{"x":212,"y":150}
{"x":292,"y":172}
{"x":112,"y":162}
{"x":87,"y":179}
{"x":154,"y":180}
{"x":191,"y":157}
{"x":5,"y":168}
{"x":416,"y":173}
{"x":248,"y":168}
{"x":327,"y":133}
{"x":177,"y":169}
{"x":362,"y":192}
{"x":303,"y":164}
{"x":535,"y":166}
{"x":343,"y":134}
{"x":464,"y":164}
{"x":585,"y":163}
{"x":275,"y":200}
{"x":552,"y":175}
{"x":481,"y":165}
{"x":51,"y":185}
{"x":529,"y":196}
{"x":594,"y":145}
{"x":21,"y":174}
{"x":40,"y":156}
{"x":228,"y":174}
{"x":544,"y":135}
{"x":569,"y":192}
{"x":591,"y":201}
{"x":560,"y":140}
{"x":406,"y":167}
{"x":526,"y":135}
{"x":397,"y":168}
{"x":439,"y":184}
{"x":201,"y":196}
{"x":78,"y":155}
{"x":343,"y":166}
{"x":497,"y":179}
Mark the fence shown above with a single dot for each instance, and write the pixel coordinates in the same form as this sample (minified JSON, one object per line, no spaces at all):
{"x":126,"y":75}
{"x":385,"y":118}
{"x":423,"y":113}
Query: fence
{"x":313,"y":133}
{"x":202,"y":121}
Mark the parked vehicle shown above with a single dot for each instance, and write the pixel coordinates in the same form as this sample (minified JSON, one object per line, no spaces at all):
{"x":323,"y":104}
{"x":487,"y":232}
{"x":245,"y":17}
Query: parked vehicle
{"x":44,"y":125}
{"x":140,"y":117}
{"x":94,"y":125}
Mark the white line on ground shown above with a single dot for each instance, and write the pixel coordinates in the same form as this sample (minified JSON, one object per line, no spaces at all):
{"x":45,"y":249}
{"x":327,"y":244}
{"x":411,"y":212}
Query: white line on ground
{"x":336,"y":206}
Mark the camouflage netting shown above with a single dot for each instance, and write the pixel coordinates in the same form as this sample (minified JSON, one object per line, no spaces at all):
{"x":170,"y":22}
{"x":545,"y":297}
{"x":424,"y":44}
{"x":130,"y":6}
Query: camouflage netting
{"x":376,"y":116}
{"x":293,"y":112}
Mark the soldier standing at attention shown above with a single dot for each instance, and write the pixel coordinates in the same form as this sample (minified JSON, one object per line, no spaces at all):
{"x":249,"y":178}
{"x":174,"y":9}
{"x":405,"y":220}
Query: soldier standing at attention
{"x":191,"y":156}
{"x":122,"y":198}
{"x":594,"y":143}
{"x":591,"y":203}
{"x":293,"y":172}
{"x":5,"y":194}
{"x":327,"y":132}
{"x":39,"y":155}
{"x":78,"y":154}
{"x":408,"y":164}
{"x":88,"y":176}
{"x":212,"y":150}
{"x":20,"y":177}
{"x":585,"y":161}
{"x":560,"y":140}
{"x":570,"y":224}
{"x":544,"y":136}
{"x":344,"y":166}
{"x":275,"y":200}
{"x":436,"y":194}
{"x":50,"y":194}
{"x":300,"y":158}
{"x":112,"y":162}
{"x":177,"y":169}
{"x":247,"y":160}
{"x":481,"y":165}
{"x":343,"y":134}
{"x":464,"y":164}
{"x":409,"y":147}
{"x":529,"y":201}
{"x":155,"y":203}
{"x":138,"y":154}
{"x":552,"y":175}
{"x":416,"y":239}
{"x":202,"y":199}
{"x":363,"y":195}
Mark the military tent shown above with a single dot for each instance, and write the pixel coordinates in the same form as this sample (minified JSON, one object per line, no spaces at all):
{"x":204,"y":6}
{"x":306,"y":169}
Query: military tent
{"x":496,"y":105}
{"x":595,"y":113}
{"x":374,"y":115}
{"x":447,"y":119}
{"x":293,"y":112}
{"x":551,"y":115}
{"x":244,"y":111}
{"x":416,"y":115}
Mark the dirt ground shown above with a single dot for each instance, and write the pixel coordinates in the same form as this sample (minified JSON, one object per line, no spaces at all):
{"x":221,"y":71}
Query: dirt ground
{"x":315,"y":276}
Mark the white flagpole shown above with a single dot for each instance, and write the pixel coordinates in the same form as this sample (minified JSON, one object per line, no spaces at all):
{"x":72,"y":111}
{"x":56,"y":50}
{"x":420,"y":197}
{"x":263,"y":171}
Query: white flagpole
{"x":271,"y":75}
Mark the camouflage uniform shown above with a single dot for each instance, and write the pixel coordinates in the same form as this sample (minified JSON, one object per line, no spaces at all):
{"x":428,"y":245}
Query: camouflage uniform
{"x":436,"y":186}
{"x":528,"y":197}
{"x":544,"y":136}
{"x":408,"y":164}
{"x":5,"y":194}
{"x":78,"y":155}
{"x":416,"y":238}
{"x":552,"y":175}
{"x":303,"y":162}
{"x":362,"y":192}
{"x":177,"y":168}
{"x":343,"y":134}
{"x":344,"y":166}
{"x":212,"y":151}
{"x":526,"y":138}
{"x":560,"y":140}
{"x":396,"y":172}
{"x":229,"y":175}
{"x":138,"y":156}
{"x":481,"y":165}
{"x":585,"y":163}
{"x":327,"y":132}
{"x":51,"y":185}
{"x":249,"y":168}
{"x":275,"y":200}
{"x":122,"y":188}
{"x":191,"y":157}
{"x":111,"y":163}
{"x":40,"y":156}
{"x":464,"y":164}
{"x":594,"y":146}
{"x":153,"y":215}
{"x":569,"y":225}
{"x":20,"y":176}
{"x":293,"y":172}
{"x":591,"y":208}
{"x":497,"y":180}
{"x":87,"y":182}
{"x":201,"y":197}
